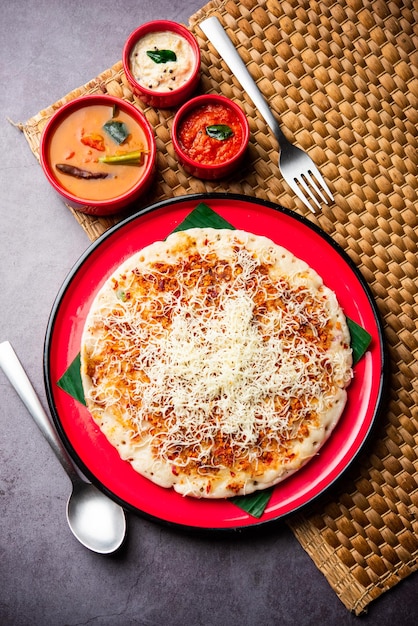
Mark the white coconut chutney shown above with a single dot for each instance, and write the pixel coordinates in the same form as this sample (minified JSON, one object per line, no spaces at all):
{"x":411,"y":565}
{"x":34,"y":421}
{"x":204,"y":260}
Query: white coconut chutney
{"x":167,"y":75}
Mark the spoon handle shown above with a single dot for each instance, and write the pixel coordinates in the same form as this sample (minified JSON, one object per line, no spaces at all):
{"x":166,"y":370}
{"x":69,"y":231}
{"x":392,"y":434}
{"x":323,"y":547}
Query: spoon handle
{"x":14,"y":371}
{"x":216,"y":34}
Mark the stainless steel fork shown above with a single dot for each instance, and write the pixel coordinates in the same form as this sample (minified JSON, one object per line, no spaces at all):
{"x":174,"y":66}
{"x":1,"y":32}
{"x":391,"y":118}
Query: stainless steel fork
{"x":297,"y":168}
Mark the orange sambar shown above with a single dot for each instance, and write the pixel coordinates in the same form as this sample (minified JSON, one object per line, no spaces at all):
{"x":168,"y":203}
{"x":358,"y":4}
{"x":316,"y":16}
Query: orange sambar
{"x":202,"y":148}
{"x":69,"y":146}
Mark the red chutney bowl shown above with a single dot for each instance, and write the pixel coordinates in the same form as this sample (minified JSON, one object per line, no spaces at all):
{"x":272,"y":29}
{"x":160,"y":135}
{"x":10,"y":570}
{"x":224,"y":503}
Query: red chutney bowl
{"x":161,"y":60}
{"x":84,"y":132}
{"x":210,"y":136}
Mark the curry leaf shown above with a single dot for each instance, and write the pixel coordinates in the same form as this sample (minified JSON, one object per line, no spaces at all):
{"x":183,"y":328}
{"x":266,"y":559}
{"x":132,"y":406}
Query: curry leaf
{"x":219,"y":131}
{"x":162,"y":56}
{"x":117,"y":130}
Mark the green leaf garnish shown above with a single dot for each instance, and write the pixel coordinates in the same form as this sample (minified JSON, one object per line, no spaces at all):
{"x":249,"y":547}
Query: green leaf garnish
{"x":126,"y":158}
{"x":162,"y":56}
{"x":71,"y":382}
{"x":203,"y":217}
{"x":255,"y":503}
{"x":219,"y":131}
{"x":117,"y":130}
{"x":360,"y":340}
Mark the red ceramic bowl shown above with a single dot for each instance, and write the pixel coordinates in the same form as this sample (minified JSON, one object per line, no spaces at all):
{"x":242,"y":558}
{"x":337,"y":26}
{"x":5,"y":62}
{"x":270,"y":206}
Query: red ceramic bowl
{"x":165,"y":81}
{"x":69,"y":133}
{"x":210,"y":136}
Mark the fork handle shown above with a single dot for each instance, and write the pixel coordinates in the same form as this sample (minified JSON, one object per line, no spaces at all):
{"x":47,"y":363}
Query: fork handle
{"x":216,"y":34}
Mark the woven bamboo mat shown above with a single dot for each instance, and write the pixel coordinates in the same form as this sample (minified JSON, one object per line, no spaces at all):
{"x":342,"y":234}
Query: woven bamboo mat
{"x":343,"y":77}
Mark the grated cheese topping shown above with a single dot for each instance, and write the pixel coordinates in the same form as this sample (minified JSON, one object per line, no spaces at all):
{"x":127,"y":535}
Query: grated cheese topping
{"x":217,"y":360}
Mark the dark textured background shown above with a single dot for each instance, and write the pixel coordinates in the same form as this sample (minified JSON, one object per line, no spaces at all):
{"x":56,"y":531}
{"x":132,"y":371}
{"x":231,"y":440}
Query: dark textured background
{"x":162,"y":576}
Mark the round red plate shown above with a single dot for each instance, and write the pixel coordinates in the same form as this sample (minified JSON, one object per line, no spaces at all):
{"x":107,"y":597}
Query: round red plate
{"x":99,"y":460}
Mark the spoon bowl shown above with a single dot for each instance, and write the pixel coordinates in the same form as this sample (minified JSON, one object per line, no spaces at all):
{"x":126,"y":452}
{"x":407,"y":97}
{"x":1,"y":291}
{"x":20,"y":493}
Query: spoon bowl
{"x":95,"y":520}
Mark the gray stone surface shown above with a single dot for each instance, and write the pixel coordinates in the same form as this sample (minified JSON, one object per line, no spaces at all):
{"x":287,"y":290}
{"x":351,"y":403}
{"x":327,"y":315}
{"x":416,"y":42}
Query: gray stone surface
{"x":162,"y":576}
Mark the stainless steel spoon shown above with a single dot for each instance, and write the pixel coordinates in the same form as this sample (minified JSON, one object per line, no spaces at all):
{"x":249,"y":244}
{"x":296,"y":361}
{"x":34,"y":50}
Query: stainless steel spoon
{"x":94,"y":519}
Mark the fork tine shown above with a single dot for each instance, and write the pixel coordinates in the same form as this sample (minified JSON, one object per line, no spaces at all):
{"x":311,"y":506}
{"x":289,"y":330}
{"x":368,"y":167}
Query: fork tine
{"x":294,"y":184}
{"x":315,"y":171}
{"x":306,"y":181}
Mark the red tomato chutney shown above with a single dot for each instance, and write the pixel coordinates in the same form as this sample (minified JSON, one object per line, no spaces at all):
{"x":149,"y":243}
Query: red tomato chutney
{"x":202,"y":148}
